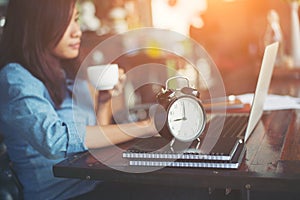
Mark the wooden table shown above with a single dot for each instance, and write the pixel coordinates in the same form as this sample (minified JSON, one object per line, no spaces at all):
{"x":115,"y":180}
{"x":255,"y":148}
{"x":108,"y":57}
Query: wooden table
{"x":271,"y":163}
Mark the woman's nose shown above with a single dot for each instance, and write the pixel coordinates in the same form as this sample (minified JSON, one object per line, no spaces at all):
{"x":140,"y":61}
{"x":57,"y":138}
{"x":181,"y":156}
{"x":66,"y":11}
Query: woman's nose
{"x":76,"y":31}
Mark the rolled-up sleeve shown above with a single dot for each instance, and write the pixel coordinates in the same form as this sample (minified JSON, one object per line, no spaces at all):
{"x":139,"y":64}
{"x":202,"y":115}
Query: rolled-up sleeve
{"x":27,"y":110}
{"x":76,"y":134}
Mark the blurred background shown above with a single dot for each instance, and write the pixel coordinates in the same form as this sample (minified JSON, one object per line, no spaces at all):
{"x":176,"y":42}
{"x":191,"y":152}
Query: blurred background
{"x":233,"y":32}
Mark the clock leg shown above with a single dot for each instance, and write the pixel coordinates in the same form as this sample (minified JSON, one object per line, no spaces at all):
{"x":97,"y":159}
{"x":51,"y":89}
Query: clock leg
{"x":198,"y":143}
{"x":171,"y":144}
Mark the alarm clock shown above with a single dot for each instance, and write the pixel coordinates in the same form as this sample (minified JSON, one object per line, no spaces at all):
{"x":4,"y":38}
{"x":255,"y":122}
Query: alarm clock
{"x":179,"y":113}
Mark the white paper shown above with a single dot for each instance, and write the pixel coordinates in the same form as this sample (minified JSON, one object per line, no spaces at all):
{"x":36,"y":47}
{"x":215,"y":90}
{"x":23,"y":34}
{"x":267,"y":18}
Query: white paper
{"x":273,"y":102}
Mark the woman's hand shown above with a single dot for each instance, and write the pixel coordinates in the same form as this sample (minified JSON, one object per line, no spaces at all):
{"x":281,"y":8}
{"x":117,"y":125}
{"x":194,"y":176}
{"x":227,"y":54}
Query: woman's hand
{"x":105,"y":95}
{"x":104,"y":106}
{"x":118,"y":89}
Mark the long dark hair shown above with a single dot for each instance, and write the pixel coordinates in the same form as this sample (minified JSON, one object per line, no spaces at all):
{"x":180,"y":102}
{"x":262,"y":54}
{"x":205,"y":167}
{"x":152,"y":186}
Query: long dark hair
{"x":32,"y":29}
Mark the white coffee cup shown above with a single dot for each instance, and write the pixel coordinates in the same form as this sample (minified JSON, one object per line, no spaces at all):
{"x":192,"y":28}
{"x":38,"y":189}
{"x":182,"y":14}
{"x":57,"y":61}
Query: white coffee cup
{"x":103,"y":77}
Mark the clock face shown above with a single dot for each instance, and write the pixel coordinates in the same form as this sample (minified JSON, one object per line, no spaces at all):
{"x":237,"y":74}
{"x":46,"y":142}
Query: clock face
{"x":186,"y":119}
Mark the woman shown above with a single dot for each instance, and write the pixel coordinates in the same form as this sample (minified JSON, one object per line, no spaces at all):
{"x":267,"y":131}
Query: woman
{"x":40,"y":42}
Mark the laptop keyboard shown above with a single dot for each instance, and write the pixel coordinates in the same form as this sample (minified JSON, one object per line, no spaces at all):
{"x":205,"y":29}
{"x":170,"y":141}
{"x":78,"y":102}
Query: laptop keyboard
{"x":230,"y":126}
{"x":226,"y":132}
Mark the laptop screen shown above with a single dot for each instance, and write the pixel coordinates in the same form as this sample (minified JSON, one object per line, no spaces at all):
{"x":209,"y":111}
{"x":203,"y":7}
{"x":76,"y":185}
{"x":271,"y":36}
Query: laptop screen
{"x":262,"y":87}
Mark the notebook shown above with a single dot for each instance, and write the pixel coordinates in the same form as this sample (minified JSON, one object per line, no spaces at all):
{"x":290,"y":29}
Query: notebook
{"x":226,"y":148}
{"x":187,"y":160}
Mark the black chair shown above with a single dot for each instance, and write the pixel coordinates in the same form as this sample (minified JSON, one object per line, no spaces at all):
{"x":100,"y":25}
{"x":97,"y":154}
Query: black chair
{"x":10,"y":188}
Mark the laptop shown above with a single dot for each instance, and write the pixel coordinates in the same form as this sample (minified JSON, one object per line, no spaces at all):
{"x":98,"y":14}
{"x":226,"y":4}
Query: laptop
{"x":222,"y":143}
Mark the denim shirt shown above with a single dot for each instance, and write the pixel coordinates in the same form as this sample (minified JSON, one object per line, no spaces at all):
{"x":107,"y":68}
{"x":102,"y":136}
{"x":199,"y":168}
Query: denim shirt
{"x":38,"y":135}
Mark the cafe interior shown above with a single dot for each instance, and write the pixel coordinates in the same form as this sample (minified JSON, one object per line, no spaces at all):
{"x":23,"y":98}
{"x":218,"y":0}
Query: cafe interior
{"x":232,"y":33}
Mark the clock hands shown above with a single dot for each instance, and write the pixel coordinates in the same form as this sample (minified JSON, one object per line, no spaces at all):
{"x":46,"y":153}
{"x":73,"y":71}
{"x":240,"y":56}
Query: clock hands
{"x":183,"y":113}
{"x":175,"y":120}
{"x":183,"y":108}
